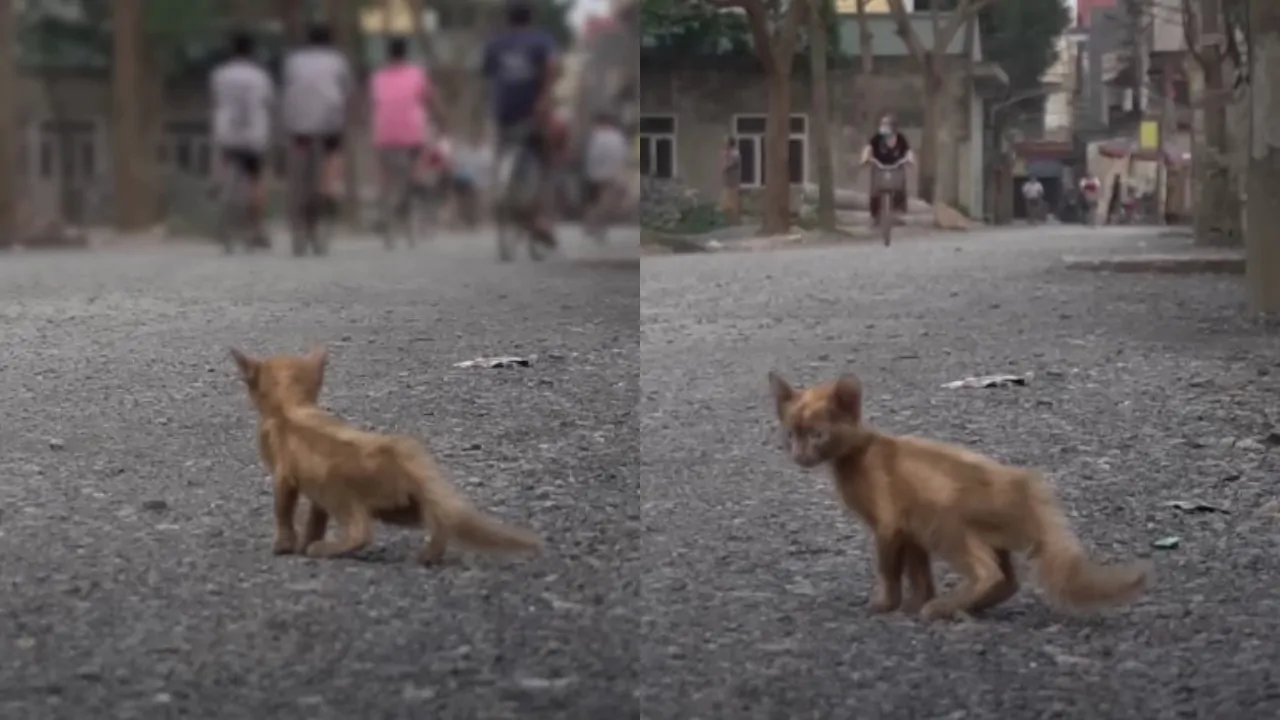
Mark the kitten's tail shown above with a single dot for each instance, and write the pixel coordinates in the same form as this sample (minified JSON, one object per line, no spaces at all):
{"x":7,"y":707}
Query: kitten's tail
{"x":485,"y":532}
{"x":1066,"y":574}
{"x":450,"y":512}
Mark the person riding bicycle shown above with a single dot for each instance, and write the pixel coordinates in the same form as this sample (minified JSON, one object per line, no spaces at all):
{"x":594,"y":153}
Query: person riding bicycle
{"x":243,"y":100}
{"x":318,"y":87}
{"x":1033,"y":193}
{"x":521,"y":65}
{"x":403,"y":106}
{"x":888,"y":147}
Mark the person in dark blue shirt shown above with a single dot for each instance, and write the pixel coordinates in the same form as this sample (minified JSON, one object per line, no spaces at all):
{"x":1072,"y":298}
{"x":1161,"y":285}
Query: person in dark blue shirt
{"x":521,"y":64}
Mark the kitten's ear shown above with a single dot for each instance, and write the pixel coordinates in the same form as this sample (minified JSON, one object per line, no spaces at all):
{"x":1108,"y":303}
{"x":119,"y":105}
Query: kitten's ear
{"x":248,"y":366}
{"x":318,"y":357}
{"x":846,"y":397}
{"x":783,"y":393}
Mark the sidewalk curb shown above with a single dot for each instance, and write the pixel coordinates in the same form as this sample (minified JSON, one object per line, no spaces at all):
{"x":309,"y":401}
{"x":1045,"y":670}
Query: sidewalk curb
{"x":1155,"y":263}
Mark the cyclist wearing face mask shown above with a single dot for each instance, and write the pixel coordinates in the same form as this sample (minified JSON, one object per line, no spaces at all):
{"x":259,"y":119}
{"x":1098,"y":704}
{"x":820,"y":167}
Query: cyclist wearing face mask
{"x":888,"y":147}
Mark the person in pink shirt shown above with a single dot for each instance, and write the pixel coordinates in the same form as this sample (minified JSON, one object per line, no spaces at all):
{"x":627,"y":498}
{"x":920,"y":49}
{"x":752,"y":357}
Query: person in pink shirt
{"x":403,"y":106}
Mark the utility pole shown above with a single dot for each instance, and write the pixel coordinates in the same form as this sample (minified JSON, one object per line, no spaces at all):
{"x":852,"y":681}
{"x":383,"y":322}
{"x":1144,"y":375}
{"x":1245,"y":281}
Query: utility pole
{"x":1262,"y":221}
{"x":1218,"y":212}
{"x":8,"y":127}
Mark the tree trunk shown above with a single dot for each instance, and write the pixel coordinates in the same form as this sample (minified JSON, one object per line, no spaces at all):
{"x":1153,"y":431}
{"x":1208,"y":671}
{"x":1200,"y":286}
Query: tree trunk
{"x":1218,"y":212}
{"x":820,"y":113}
{"x":344,"y":18}
{"x":1262,"y":273}
{"x":294,"y":19}
{"x":153,"y":76}
{"x":776,"y":210}
{"x":9,"y":128}
{"x":126,"y":122}
{"x":934,"y":100}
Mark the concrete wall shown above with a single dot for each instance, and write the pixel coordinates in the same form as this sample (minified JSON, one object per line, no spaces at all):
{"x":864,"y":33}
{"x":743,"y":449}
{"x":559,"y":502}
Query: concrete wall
{"x":704,"y":103}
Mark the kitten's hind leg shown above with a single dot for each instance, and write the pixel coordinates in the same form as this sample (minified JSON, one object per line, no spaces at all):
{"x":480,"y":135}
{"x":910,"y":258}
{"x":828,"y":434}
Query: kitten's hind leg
{"x":357,"y":532}
{"x":1003,"y":590}
{"x":979,"y":567}
{"x":434,"y":523}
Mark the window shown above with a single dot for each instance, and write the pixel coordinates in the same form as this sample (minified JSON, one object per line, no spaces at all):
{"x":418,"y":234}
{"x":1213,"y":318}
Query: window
{"x":657,"y":146}
{"x":68,"y":150}
{"x":749,"y":131}
{"x":185,"y":147}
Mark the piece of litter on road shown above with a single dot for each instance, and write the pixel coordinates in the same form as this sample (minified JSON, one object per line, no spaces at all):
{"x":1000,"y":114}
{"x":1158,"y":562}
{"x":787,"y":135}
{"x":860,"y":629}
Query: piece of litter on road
{"x":537,"y":683}
{"x":57,"y":444}
{"x":1167,"y":543}
{"x":802,"y":587}
{"x":26,"y":643}
{"x":414,"y":693}
{"x":988,"y":381}
{"x":1195,"y":507}
{"x":494,"y":362}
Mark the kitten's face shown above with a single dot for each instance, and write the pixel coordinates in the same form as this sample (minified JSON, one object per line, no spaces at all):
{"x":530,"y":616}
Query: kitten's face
{"x":817,"y":418}
{"x":283,"y":380}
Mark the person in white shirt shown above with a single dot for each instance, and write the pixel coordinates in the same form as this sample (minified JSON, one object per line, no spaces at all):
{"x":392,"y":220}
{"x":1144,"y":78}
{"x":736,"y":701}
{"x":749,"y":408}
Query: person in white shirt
{"x":606,"y":171}
{"x":243,"y":101}
{"x":1033,"y":193}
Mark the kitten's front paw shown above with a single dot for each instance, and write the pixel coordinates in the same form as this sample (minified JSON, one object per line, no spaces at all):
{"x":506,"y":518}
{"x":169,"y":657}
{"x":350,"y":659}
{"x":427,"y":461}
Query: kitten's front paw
{"x":937,"y":610}
{"x":320,"y":549}
{"x":883,"y":601}
{"x":285,"y":545}
{"x":915,"y":603}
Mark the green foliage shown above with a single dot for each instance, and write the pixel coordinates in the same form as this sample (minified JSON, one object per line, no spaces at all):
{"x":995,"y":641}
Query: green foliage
{"x":692,"y":28}
{"x":553,"y":16}
{"x":1021,"y":36}
{"x":683,"y":29}
{"x":77,"y":35}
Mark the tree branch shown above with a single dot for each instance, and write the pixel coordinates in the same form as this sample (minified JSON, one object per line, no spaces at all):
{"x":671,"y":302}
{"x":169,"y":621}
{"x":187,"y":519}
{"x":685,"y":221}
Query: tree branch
{"x":967,"y":11}
{"x":905,"y":31}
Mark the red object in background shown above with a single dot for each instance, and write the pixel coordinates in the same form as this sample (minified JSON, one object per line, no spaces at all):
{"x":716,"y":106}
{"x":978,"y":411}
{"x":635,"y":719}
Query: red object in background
{"x":597,"y":24}
{"x":1085,"y":7}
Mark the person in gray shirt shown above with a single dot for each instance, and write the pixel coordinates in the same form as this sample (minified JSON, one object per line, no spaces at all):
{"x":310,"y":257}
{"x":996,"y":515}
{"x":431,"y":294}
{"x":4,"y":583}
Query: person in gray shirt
{"x":318,"y":87}
{"x":243,"y":99}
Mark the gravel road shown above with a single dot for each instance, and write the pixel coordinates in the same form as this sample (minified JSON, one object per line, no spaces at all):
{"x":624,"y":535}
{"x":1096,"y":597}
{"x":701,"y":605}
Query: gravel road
{"x":136,"y":575}
{"x":1147,"y":389}
{"x":692,"y":571}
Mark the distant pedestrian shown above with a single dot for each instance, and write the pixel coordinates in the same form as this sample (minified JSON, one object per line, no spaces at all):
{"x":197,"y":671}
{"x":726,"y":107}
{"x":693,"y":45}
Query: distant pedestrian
{"x":731,"y":195}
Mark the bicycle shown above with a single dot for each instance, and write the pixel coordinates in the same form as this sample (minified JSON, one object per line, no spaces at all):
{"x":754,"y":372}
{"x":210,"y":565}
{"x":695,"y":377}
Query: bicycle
{"x":408,"y":205}
{"x":520,"y":180}
{"x":308,"y":214}
{"x":235,"y":218}
{"x":886,"y":180}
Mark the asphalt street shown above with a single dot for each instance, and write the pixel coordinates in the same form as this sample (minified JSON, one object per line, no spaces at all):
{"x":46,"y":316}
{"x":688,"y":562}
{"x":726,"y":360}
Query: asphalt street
{"x":136,"y":575}
{"x":1146,"y":390}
